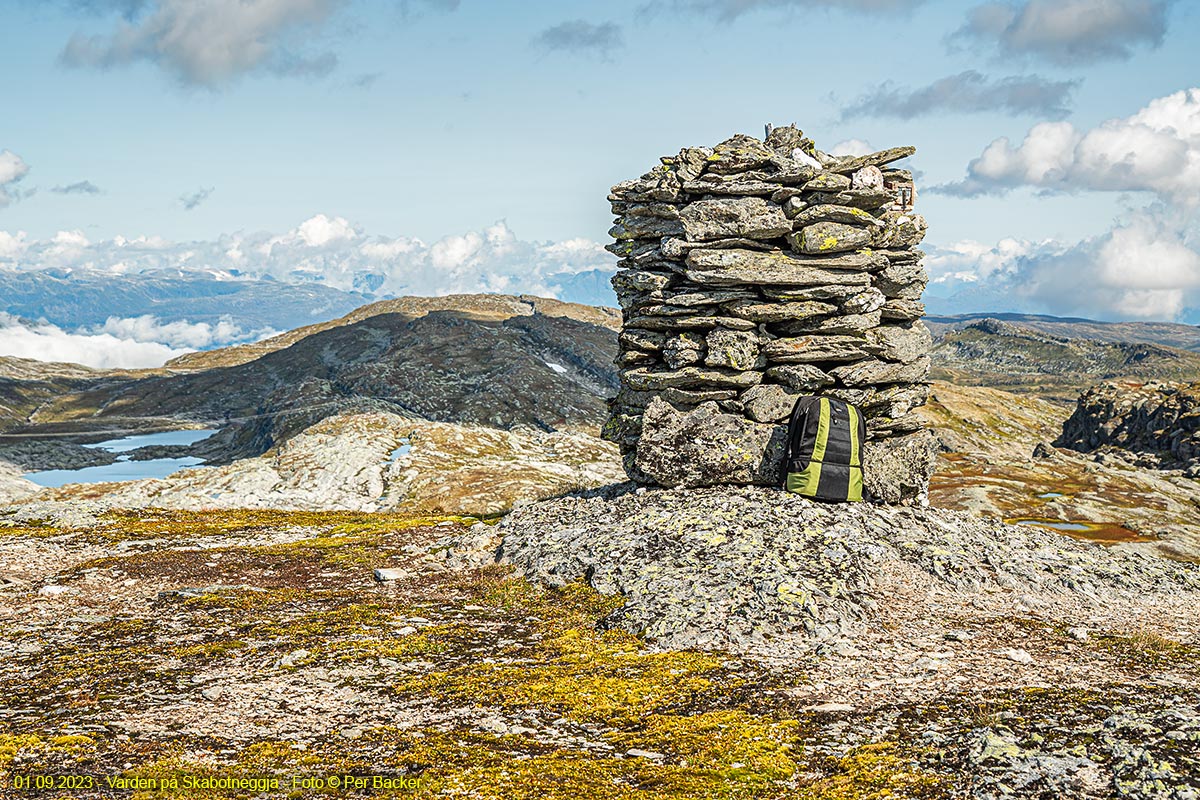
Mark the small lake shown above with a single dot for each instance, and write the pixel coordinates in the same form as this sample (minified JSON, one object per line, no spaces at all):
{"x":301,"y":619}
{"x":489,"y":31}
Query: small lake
{"x":123,"y":469}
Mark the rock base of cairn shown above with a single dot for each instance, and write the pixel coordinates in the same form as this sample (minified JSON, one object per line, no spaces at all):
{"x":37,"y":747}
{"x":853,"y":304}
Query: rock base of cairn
{"x":755,"y":272}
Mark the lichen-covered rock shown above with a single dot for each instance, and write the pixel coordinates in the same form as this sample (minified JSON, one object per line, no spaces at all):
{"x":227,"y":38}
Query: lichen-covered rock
{"x":902,"y":281}
{"x":780,"y":312}
{"x":768,"y":402}
{"x":683,"y":350}
{"x":815,"y":349}
{"x":904,"y":343}
{"x":829,"y":213}
{"x":739,"y":153}
{"x":736,"y":350}
{"x":745,"y":217}
{"x":829,"y":237}
{"x":896,"y":470}
{"x":804,"y":378}
{"x":827,"y":182}
{"x":901,"y":230}
{"x":688,"y":378}
{"x":706,"y":448}
{"x":873,"y":371}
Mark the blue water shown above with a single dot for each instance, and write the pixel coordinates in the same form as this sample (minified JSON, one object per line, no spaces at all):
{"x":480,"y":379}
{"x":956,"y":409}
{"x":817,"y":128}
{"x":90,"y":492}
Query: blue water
{"x":146,"y":439}
{"x":123,"y":469}
{"x":404,"y":449}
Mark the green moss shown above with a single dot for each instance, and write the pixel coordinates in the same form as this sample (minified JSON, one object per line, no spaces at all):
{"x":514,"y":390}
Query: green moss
{"x":1148,"y":649}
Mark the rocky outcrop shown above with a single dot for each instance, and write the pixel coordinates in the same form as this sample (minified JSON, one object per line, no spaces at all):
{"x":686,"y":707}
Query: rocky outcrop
{"x":754,"y":272}
{"x":1160,"y":420}
{"x":373,"y":462}
{"x":759,"y":571}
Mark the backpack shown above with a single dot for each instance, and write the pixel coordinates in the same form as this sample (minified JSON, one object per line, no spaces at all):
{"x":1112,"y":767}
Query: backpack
{"x":824,"y":449}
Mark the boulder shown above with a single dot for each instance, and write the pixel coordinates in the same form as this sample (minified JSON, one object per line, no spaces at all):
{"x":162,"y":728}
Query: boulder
{"x":897,"y":470}
{"x":705,"y":447}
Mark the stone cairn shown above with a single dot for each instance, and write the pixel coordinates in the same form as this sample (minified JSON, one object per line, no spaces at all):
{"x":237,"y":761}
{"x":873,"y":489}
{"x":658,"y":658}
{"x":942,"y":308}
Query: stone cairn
{"x":755,"y":272}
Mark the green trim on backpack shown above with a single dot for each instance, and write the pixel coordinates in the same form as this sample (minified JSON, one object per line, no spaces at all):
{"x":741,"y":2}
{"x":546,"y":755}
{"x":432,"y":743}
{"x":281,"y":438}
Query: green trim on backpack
{"x":806,"y":481}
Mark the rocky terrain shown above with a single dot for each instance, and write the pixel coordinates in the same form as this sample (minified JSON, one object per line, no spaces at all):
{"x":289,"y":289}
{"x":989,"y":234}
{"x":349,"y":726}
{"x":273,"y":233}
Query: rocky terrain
{"x":1013,"y":357}
{"x":755,"y":272}
{"x":1155,"y":421}
{"x":998,"y":461}
{"x":375,"y":462}
{"x":873,"y":652}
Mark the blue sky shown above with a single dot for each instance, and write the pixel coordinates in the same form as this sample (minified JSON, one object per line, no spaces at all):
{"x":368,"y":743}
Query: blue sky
{"x":206,"y":123}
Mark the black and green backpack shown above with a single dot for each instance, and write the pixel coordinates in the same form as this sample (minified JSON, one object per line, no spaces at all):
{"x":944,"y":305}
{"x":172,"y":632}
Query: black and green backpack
{"x":824,"y":449}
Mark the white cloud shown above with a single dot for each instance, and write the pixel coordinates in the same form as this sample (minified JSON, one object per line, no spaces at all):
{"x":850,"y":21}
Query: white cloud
{"x":132,"y":342}
{"x":1147,"y":267}
{"x":105,"y":351}
{"x":1155,"y":150}
{"x":1068,"y":31}
{"x":333,"y":251}
{"x":12,"y":169}
{"x":11,"y":245}
{"x":181,"y":333}
{"x":851,"y":147}
{"x":211,"y":42}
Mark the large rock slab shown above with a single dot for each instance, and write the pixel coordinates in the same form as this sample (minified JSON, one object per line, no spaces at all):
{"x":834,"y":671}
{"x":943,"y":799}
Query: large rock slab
{"x":897,"y":470}
{"x":904,"y":343}
{"x":644,"y":380}
{"x":815,"y":349}
{"x":736,"y":267}
{"x":874,"y":371}
{"x":807,"y":215}
{"x":706,"y":448}
{"x":744,"y":217}
{"x":781,"y":312}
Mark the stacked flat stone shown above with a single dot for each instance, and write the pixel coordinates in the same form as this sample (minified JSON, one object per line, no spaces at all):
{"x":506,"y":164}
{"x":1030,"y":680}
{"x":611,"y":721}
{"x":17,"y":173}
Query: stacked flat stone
{"x":755,"y":272}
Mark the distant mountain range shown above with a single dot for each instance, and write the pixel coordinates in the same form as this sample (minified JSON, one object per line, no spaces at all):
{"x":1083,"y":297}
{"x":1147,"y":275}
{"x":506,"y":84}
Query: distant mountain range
{"x":1020,"y":357}
{"x":77,"y":299}
{"x":1170,"y":334}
